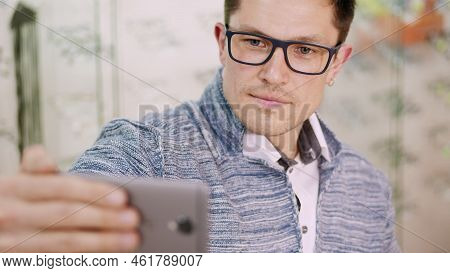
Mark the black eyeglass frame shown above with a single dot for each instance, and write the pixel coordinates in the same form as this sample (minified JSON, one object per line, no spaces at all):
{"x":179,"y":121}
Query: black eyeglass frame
{"x":284,"y":45}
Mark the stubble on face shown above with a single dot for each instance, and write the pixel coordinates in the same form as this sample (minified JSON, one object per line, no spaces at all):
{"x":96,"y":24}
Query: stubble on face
{"x":268,"y":121}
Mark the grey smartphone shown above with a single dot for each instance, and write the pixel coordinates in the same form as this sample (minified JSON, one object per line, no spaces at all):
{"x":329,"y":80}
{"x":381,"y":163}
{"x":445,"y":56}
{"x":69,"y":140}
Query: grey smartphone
{"x":174,"y":214}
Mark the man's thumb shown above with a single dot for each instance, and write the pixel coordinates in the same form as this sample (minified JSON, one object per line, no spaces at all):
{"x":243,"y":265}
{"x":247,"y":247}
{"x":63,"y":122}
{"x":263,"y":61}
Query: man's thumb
{"x":36,"y":160}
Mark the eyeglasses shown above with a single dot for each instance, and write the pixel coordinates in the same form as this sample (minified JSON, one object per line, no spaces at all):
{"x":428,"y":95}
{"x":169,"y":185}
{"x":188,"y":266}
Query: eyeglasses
{"x":301,"y":57}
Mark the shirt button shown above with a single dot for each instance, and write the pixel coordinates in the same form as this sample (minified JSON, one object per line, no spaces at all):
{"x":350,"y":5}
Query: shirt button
{"x":304,"y":229}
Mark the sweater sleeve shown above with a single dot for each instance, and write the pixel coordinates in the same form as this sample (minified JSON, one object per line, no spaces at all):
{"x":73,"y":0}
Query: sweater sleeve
{"x":124,"y":148}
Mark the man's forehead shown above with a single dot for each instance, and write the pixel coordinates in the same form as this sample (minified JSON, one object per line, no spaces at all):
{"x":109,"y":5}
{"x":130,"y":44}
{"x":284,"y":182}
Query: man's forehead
{"x":303,"y":20}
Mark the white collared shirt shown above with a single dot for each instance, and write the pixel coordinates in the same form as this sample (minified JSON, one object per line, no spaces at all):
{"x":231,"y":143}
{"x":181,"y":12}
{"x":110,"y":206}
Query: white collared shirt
{"x":304,"y":178}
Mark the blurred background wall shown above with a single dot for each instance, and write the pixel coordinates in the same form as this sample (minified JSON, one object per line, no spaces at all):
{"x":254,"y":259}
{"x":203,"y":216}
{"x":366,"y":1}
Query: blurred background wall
{"x":68,"y":67}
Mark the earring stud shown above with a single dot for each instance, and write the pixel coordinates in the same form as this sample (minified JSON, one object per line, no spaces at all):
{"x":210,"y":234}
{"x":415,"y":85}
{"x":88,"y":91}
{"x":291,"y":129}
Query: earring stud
{"x":331,"y":83}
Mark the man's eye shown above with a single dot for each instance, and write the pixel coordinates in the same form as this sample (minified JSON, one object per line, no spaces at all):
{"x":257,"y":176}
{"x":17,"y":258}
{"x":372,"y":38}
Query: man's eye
{"x":254,"y":42}
{"x":305,"y":50}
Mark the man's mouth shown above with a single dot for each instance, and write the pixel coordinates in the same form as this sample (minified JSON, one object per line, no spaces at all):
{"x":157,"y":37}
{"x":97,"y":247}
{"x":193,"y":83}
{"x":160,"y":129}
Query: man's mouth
{"x":269,"y":101}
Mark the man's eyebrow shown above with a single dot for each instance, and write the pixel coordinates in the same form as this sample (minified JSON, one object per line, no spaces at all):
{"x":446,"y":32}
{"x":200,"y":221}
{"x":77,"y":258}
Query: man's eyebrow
{"x":303,"y":38}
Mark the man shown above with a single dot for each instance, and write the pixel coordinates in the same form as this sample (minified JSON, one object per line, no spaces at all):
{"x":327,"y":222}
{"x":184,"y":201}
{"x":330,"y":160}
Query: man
{"x":279,"y":179}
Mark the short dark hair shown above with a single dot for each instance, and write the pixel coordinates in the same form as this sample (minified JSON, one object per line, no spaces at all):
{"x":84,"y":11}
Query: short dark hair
{"x":344,"y":12}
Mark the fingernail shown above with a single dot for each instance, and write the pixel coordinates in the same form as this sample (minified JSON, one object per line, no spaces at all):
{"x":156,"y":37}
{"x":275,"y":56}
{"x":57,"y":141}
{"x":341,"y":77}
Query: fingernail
{"x":116,"y":198}
{"x":127,"y":217}
{"x":127,"y":241}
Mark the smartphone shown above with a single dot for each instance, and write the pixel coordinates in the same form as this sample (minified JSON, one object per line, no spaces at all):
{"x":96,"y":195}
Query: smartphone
{"x":174,"y":214}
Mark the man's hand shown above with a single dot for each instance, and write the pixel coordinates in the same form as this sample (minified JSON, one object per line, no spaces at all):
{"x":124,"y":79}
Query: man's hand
{"x":43,"y":211}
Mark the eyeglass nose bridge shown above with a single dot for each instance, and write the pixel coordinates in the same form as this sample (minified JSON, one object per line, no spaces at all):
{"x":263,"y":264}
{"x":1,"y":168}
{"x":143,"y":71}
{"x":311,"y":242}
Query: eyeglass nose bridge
{"x":278,"y":44}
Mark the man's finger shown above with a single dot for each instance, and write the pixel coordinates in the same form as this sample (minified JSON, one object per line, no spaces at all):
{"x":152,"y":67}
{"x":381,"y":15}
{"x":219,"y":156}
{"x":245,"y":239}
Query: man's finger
{"x":65,"y":188}
{"x":64,"y":215}
{"x":70,"y":241}
{"x":36,"y":160}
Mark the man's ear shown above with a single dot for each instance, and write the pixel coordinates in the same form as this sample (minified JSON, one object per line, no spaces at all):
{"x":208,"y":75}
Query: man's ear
{"x":339,"y":60}
{"x":219,"y":33}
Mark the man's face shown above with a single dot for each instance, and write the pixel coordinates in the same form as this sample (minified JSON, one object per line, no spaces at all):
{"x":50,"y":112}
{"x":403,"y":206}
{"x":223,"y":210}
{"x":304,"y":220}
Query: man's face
{"x":271,"y":99}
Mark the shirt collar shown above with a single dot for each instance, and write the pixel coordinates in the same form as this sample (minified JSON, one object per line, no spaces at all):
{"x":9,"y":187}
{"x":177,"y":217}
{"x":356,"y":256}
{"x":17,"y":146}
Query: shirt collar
{"x":318,"y":134}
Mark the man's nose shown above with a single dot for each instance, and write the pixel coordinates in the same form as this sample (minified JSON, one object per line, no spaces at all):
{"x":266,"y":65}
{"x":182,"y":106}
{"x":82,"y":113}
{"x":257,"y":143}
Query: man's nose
{"x":275,"y":71}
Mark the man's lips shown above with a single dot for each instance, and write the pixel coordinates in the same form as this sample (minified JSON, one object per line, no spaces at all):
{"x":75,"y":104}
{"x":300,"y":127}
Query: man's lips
{"x":269,"y":100}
